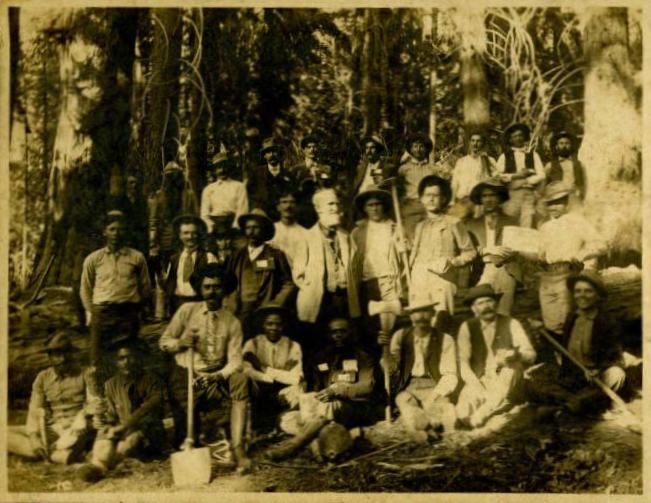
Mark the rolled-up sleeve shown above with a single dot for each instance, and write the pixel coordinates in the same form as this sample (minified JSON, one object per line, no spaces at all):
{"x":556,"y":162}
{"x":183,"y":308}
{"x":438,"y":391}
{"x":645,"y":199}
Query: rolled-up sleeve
{"x":169,"y":341}
{"x":87,"y":282}
{"x":522,"y":343}
{"x":234,"y":350}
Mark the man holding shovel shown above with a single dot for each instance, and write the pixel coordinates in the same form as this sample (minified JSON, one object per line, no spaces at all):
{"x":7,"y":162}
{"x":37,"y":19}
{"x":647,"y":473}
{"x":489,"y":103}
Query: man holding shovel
{"x":213,"y":336}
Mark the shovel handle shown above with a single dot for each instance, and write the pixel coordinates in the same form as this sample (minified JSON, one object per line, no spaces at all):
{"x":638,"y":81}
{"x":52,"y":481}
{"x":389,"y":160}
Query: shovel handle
{"x":190,"y":434}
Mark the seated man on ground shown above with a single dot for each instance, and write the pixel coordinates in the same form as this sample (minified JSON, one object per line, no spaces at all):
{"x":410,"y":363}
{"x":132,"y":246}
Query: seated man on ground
{"x":273,"y":362}
{"x":133,"y":421}
{"x":424,"y":366}
{"x":215,"y":334}
{"x":63,"y":402}
{"x":494,"y":351}
{"x":344,"y":384}
{"x":593,"y":338}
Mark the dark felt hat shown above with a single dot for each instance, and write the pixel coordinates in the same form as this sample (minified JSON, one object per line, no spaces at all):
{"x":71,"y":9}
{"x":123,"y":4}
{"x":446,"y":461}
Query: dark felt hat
{"x":562,"y":134}
{"x":270,"y":144}
{"x":270,"y":308}
{"x":517,"y":126}
{"x":373,"y":138}
{"x":60,"y":342}
{"x":222,"y":223}
{"x":479,"y":291}
{"x":589,"y":276}
{"x":268,"y":228}
{"x":383,"y":195}
{"x":229,"y":280}
{"x":420,"y":137}
{"x":189,"y":219}
{"x":493,"y":184}
{"x":310,"y":138}
{"x":442,"y":183}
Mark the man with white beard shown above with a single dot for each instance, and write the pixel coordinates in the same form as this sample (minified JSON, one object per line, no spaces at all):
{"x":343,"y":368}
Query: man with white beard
{"x":321,"y":268}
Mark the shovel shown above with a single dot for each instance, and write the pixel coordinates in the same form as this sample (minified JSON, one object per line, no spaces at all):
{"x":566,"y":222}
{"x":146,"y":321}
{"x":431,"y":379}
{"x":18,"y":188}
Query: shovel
{"x":191,"y":467}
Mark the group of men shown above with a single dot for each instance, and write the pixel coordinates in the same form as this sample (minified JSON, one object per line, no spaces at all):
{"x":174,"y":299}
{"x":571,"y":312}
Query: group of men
{"x":296,"y":321}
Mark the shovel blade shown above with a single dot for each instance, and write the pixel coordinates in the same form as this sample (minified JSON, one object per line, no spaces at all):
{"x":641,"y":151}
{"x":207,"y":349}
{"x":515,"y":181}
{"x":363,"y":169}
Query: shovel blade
{"x":191,"y":467}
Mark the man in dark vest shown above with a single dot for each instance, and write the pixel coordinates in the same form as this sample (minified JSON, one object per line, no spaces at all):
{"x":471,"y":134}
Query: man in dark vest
{"x":424,"y":370}
{"x":262,"y":271}
{"x":564,"y":165}
{"x":371,"y":170}
{"x":494,"y":350}
{"x":521,"y":168}
{"x":493,"y":264}
{"x":191,"y":231}
{"x":265,"y":186}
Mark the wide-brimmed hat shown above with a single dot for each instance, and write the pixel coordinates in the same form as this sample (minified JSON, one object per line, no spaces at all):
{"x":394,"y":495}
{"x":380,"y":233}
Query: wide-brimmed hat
{"x":373,"y":138}
{"x":60,"y":342}
{"x":270,"y":144}
{"x":268,"y":229}
{"x":172,"y":167}
{"x":421,"y":137}
{"x":590,"y":276}
{"x":219,"y":158}
{"x":310,"y":138}
{"x":562,"y":134}
{"x":222,"y":223}
{"x":442,"y":183}
{"x":479,"y":291}
{"x":555,"y":191}
{"x":190,"y":219}
{"x":515,"y":127}
{"x":229,"y":280}
{"x":493,"y":184}
{"x":270,"y":308}
{"x":383,"y":195}
{"x":423,"y":304}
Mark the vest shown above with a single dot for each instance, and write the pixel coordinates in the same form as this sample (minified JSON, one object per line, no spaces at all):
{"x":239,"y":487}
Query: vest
{"x":510,"y":166}
{"x":407,"y":357}
{"x":283,"y":348}
{"x":503,"y":340}
{"x":201,"y":259}
{"x":556,"y":172}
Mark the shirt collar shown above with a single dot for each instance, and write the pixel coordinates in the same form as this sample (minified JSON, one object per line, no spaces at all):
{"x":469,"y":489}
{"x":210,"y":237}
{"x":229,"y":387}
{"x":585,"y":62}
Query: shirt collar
{"x":520,"y":149}
{"x":328,"y":233}
{"x":120,"y":251}
{"x":590,"y":315}
{"x":255,"y":252}
{"x":204,"y":308}
{"x":486,"y":324}
{"x":413,"y":160}
{"x":274,"y":170}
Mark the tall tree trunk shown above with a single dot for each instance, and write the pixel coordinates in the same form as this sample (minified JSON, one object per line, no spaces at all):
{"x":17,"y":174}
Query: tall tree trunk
{"x":430,"y":22}
{"x":14,"y":48}
{"x":90,"y":136}
{"x":470,"y":21}
{"x":612,"y":144}
{"x":369,"y":98}
{"x":161,"y":126}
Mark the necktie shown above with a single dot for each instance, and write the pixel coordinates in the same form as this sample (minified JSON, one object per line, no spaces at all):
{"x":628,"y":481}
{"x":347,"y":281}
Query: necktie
{"x":188,"y":266}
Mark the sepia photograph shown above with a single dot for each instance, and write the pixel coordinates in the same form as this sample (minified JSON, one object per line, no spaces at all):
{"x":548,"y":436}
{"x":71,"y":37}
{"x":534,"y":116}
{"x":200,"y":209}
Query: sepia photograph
{"x":336,"y":249}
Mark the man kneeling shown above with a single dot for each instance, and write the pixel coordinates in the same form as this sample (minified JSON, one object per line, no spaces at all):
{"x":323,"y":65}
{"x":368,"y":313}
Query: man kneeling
{"x":423,"y":362}
{"x":345,"y":391}
{"x":494,"y":350}
{"x":216,"y":336}
{"x":273,"y":362}
{"x":64,"y":398}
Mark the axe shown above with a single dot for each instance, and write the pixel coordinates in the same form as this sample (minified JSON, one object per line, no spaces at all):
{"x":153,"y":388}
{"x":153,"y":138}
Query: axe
{"x":388,"y":311}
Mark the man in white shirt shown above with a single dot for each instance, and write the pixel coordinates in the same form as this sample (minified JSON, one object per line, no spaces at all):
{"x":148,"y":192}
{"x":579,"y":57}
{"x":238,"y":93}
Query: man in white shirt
{"x":522,"y":169}
{"x":469,"y":170}
{"x":216,"y":336}
{"x":224,"y":194}
{"x":494,"y":351}
{"x":422,"y":360}
{"x":564,"y":166}
{"x":370,"y":171}
{"x":273,"y":362}
{"x":290,"y":237}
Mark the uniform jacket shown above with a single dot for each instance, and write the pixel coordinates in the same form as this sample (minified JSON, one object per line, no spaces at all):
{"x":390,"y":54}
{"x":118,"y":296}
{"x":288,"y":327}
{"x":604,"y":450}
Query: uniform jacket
{"x":309,"y":274}
{"x":275,"y":279}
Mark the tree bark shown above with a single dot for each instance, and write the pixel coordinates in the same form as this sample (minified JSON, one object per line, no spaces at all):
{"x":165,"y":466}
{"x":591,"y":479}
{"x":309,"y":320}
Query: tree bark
{"x":161,"y":127}
{"x":612,"y":144}
{"x":430,"y":21}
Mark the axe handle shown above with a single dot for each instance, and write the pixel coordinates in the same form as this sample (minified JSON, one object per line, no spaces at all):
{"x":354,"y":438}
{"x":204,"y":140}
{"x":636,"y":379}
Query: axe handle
{"x":387,"y":382}
{"x":190,"y":434}
{"x":401,"y":231}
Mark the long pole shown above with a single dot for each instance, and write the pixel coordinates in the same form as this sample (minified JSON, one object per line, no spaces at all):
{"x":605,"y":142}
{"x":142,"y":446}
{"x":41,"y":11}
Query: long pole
{"x":600,"y":384}
{"x":23,"y":266}
{"x":401,"y":230}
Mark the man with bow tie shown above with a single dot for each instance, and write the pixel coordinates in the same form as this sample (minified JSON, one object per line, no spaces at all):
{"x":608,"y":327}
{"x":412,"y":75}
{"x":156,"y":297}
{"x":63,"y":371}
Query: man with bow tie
{"x":521,"y":168}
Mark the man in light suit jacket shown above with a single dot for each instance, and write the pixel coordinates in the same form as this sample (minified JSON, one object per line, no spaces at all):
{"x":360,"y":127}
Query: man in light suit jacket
{"x":493,"y":266}
{"x":322,"y":268}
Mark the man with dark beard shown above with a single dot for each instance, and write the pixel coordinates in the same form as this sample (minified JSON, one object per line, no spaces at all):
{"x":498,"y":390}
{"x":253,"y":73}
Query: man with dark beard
{"x":270,"y":179}
{"x":173,"y":199}
{"x":564,"y":165}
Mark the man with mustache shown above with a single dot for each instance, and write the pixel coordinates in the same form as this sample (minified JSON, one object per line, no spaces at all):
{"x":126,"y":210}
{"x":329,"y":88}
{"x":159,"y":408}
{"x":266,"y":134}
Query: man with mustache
{"x":494,"y":350}
{"x":265,"y":185}
{"x":321,"y":269}
{"x":565,"y":167}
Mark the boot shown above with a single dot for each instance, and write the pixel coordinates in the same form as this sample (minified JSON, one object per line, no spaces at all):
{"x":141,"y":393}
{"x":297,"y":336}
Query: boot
{"x":238,"y":425}
{"x":307,"y":433}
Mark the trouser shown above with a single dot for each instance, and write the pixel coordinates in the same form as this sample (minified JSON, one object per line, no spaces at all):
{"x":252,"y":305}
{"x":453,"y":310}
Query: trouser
{"x":245,"y":313}
{"x":521,"y":205}
{"x":555,"y":300}
{"x":412,"y":212}
{"x":350,"y":413}
{"x":111,"y":323}
{"x":428,"y":285}
{"x":66,"y":440}
{"x":214,"y":397}
{"x":500,"y":391}
{"x":420,"y":408}
{"x":502,"y":282}
{"x":269,"y":400}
